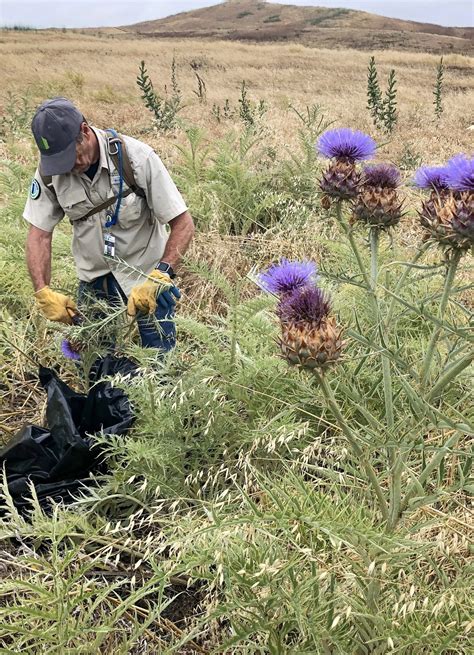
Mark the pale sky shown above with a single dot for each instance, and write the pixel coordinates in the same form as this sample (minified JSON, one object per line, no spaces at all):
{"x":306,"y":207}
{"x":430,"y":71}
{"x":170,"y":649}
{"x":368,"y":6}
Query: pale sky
{"x":94,"y":13}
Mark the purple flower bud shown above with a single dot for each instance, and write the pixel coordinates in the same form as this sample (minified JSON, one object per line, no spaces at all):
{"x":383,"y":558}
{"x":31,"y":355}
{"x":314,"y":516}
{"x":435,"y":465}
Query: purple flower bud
{"x":386,"y":176}
{"x":304,"y":305}
{"x":344,"y":143}
{"x":460,"y":173}
{"x":287,"y":276}
{"x":431,"y":177}
{"x":68,"y":351}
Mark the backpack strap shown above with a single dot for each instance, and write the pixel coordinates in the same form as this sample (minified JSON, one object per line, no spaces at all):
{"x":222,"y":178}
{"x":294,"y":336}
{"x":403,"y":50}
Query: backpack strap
{"x":128,"y":174}
{"x":47,"y":181}
{"x":104,"y":205}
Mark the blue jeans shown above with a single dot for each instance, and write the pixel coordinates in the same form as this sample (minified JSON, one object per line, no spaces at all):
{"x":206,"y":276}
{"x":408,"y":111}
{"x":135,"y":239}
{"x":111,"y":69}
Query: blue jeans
{"x":107,"y":288}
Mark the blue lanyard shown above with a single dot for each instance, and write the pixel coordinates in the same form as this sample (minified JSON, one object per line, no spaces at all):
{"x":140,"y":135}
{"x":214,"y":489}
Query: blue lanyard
{"x":114,"y":218}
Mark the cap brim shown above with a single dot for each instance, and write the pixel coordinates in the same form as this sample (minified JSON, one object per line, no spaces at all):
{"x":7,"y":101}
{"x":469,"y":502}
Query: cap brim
{"x":60,"y":163}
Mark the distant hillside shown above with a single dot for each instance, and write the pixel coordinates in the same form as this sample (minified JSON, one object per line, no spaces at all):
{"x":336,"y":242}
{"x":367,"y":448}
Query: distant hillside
{"x":254,"y":20}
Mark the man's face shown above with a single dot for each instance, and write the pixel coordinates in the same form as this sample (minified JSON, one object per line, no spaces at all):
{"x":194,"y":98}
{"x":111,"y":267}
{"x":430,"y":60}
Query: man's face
{"x":86,"y":151}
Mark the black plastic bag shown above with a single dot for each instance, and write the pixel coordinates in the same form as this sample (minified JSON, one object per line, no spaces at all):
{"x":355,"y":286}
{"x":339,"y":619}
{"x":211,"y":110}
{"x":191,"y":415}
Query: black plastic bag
{"x":58,"y":460}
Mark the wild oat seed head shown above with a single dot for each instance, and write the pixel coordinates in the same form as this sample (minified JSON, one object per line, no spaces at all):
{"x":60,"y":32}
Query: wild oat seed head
{"x":287,"y":276}
{"x":386,"y":176}
{"x":347,"y":144}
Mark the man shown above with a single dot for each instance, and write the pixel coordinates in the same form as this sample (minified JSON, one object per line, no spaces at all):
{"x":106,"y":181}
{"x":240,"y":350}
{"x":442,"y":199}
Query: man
{"x":121,"y":244}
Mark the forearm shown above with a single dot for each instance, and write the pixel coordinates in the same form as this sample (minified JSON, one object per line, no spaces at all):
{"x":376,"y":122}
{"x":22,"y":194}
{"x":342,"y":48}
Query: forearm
{"x":38,"y":257}
{"x":181,"y":234}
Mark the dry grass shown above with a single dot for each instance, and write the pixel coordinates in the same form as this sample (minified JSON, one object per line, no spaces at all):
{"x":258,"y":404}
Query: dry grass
{"x":47,"y":63}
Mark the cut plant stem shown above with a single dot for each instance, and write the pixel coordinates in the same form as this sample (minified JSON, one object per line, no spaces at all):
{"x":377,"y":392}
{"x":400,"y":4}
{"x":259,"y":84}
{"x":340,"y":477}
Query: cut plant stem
{"x":348,"y":433}
{"x":448,"y":284}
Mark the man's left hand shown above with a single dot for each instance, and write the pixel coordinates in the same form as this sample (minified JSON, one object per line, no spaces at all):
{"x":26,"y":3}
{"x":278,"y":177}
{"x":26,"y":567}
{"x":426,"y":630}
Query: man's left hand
{"x":143,"y":297}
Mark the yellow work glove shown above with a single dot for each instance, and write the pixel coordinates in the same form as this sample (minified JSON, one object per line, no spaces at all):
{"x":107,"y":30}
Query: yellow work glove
{"x":142,"y":298}
{"x":55,"y":306}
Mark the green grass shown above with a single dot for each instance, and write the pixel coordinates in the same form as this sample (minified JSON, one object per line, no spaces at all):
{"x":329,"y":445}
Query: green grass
{"x":276,"y":513}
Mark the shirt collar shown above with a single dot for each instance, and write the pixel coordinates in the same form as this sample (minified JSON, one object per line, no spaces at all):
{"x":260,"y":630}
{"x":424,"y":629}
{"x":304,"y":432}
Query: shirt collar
{"x":102,"y":139}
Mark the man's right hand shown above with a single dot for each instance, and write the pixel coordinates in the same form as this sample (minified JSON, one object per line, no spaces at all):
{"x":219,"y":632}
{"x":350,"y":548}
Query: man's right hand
{"x":55,"y":306}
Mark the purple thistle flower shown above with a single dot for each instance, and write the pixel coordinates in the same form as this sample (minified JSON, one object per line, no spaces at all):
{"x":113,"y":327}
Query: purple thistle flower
{"x":344,"y":143}
{"x":68,"y":351}
{"x":386,"y":176}
{"x":287,"y":276}
{"x":304,"y":305}
{"x":460,"y":173}
{"x":431,"y":177}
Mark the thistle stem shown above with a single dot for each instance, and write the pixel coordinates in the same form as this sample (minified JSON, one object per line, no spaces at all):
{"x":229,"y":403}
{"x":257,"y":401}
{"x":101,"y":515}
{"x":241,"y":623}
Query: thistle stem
{"x":448,"y":283}
{"x":449,"y":374}
{"x":422,"y":478}
{"x":234,"y":326}
{"x":395,"y":492}
{"x":348,"y":433}
{"x":401,"y":282}
{"x":350,"y":236}
{"x":386,"y":373}
{"x":387,"y":380}
{"x":374,"y":251}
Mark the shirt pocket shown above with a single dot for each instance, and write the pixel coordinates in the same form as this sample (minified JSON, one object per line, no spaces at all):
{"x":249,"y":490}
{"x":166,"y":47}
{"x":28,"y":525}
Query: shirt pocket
{"x":75,"y":203}
{"x":131,"y":212}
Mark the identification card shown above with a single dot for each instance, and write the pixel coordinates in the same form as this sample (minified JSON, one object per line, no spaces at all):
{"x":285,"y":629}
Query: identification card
{"x":116,"y":180}
{"x":109,"y":245}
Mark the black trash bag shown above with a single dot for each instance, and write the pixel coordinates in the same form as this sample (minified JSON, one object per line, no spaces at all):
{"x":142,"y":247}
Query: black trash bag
{"x":59,"y":459}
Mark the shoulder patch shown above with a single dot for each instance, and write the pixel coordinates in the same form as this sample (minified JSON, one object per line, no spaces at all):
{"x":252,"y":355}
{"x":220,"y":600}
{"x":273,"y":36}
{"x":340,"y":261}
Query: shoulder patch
{"x":35,"y":189}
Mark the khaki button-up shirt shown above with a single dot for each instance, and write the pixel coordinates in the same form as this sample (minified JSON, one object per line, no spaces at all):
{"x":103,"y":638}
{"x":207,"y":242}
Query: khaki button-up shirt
{"x":140,"y":234}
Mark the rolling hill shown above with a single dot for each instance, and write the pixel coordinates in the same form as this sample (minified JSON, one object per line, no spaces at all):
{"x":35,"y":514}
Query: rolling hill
{"x":253,"y":20}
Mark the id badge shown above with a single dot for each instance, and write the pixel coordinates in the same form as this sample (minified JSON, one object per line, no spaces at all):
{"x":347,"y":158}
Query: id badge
{"x":109,"y":245}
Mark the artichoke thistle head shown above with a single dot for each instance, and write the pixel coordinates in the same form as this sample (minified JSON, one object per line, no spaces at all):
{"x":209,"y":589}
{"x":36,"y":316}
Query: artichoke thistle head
{"x":448,"y":214}
{"x":377,"y":203}
{"x":309,"y":335}
{"x":460,"y":177}
{"x":460,"y":173}
{"x":287,"y":276}
{"x":346,"y":147}
{"x":432,"y":178}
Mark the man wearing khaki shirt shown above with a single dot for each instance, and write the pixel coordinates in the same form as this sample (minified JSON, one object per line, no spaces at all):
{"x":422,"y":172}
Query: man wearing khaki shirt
{"x":128,"y":236}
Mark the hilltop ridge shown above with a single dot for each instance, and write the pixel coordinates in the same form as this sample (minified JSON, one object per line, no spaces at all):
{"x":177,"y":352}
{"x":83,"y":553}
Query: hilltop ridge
{"x":253,"y":20}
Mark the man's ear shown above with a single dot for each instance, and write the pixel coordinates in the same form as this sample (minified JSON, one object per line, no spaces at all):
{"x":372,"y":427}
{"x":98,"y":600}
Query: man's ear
{"x":86,"y":130}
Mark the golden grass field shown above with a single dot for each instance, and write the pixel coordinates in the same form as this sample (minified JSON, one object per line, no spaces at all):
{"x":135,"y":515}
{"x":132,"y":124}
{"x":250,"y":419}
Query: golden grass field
{"x":98,"y":72}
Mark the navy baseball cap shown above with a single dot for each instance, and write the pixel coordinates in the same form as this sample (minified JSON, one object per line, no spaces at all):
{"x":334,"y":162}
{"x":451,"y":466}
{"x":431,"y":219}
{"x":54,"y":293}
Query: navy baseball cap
{"x":56,"y":126}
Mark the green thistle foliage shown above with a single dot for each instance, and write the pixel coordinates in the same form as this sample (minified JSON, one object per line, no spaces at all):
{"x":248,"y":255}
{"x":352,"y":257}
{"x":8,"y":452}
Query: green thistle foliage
{"x":249,"y":113}
{"x":174,"y":79}
{"x":438,"y":90}
{"x":374,"y":94}
{"x":164,"y":110}
{"x":390,"y":112}
{"x":224,"y":112}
